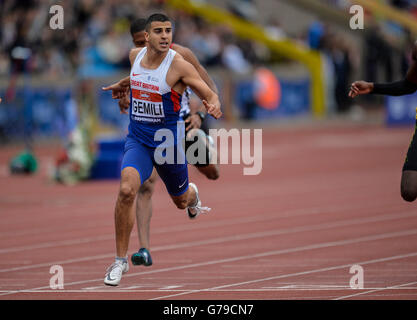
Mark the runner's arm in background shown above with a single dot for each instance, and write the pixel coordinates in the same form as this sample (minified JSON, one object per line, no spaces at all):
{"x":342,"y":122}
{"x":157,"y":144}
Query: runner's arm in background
{"x":398,"y":88}
{"x":194,"y":121}
{"x":122,"y":87}
{"x":190,"y":77}
{"x":189,"y":56}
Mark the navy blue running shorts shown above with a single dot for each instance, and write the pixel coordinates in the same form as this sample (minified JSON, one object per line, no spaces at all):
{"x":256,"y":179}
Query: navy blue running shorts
{"x":142,"y":158}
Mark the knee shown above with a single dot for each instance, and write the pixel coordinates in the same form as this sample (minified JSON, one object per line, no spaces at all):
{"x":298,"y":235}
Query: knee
{"x":408,"y":195}
{"x":213,"y":174}
{"x":181,"y":203}
{"x":127,"y":193}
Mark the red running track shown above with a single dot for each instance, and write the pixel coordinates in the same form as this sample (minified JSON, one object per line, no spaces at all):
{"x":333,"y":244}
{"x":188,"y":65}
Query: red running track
{"x":326,"y":199}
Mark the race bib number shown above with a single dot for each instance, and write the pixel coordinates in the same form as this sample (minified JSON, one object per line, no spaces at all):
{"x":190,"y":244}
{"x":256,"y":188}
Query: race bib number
{"x":147,"y":107}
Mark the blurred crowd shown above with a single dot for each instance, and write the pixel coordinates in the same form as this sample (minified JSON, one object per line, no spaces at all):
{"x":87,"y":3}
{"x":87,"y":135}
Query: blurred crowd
{"x":95,"y":40}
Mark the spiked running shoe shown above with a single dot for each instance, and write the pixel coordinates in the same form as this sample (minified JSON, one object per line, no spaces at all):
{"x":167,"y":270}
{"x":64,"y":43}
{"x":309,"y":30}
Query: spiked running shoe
{"x":194,"y":211}
{"x":142,"y":257}
{"x":115,"y":271}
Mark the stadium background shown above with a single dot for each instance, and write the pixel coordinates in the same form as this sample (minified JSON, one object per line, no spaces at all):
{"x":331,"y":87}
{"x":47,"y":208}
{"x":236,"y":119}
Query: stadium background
{"x":51,"y":80}
{"x":93,"y":46}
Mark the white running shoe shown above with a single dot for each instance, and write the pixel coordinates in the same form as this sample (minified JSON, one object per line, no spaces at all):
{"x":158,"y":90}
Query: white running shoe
{"x":194,"y":211}
{"x":115,"y":271}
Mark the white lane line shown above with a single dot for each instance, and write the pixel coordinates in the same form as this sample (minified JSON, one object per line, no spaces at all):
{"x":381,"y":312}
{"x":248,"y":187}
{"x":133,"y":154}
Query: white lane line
{"x":187,"y":227}
{"x":170,"y":287}
{"x":413,"y":254}
{"x":259,"y":255}
{"x":54,"y":244}
{"x":163,"y":230}
{"x":133,"y":290}
{"x":255,"y":235}
{"x":57,"y":291}
{"x":310,"y":286}
{"x":376,"y":290}
{"x":87,"y":289}
{"x":312,"y":211}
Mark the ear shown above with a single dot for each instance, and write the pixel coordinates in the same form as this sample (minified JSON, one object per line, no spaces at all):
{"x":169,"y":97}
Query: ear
{"x":146,"y":36}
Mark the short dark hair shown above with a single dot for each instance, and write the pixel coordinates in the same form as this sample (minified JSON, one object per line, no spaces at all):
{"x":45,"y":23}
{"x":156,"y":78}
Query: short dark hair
{"x":160,"y":17}
{"x":137,"y":26}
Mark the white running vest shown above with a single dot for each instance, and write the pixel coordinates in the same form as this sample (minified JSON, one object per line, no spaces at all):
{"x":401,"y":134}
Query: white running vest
{"x":153,"y":103}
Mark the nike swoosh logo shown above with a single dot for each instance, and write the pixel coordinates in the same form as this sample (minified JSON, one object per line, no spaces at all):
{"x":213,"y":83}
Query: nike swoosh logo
{"x":137,"y":74}
{"x":183,"y":183}
{"x":109,"y":278}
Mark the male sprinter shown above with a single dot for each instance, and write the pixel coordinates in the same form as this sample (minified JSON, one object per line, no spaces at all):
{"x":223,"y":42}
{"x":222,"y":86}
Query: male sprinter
{"x":193,"y":121}
{"x":399,"y":88}
{"x":157,"y":80}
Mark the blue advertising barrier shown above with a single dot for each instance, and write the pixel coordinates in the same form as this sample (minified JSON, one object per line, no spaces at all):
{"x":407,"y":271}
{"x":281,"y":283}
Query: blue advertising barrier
{"x":109,"y":111}
{"x":401,"y":110}
{"x":108,"y":159}
{"x":52,"y":112}
{"x":38,"y":112}
{"x":49,"y":112}
{"x":295,"y":100}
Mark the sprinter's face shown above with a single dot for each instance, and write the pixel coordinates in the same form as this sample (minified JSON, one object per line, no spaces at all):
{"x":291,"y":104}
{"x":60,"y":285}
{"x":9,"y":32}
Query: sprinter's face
{"x":159,"y":36}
